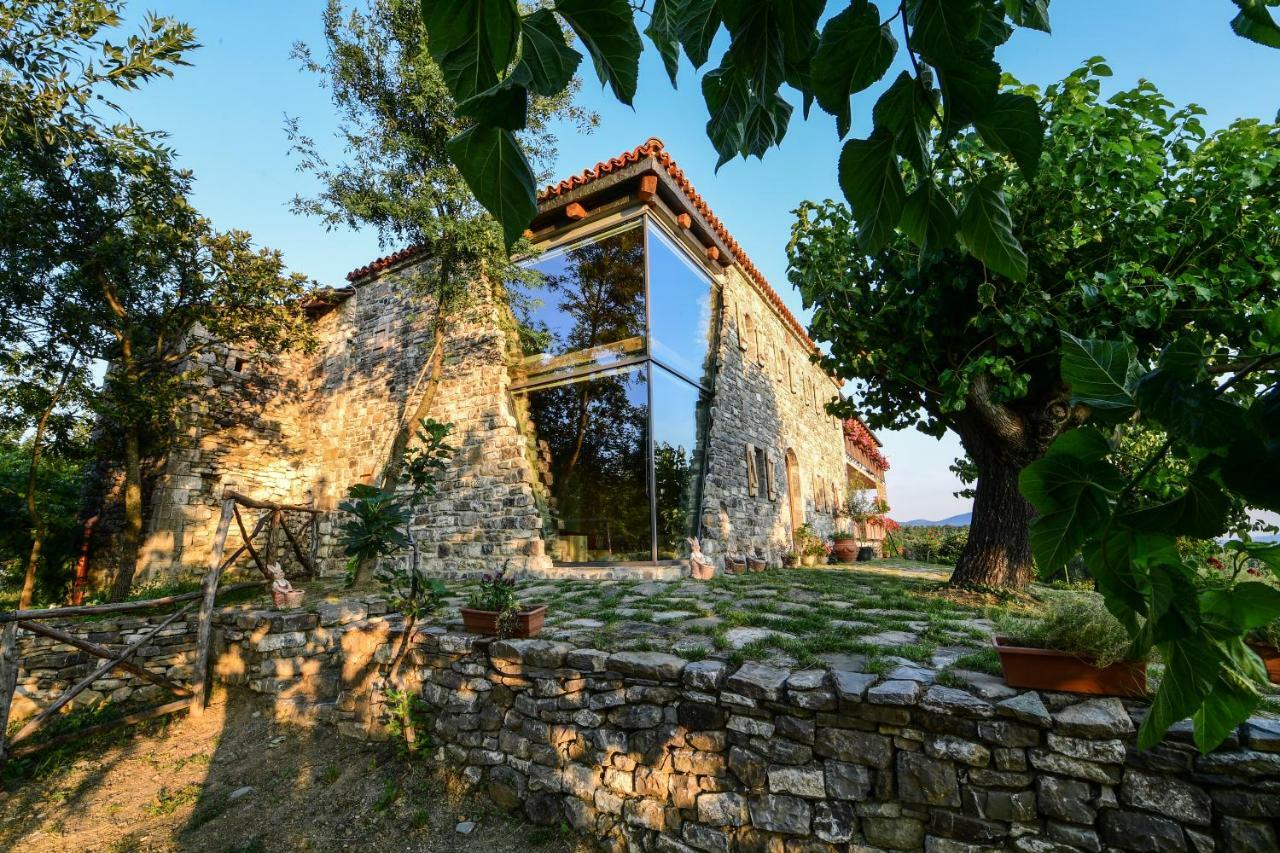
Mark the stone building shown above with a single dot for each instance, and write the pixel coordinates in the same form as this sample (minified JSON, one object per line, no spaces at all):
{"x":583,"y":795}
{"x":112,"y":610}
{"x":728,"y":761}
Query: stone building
{"x":653,"y":386}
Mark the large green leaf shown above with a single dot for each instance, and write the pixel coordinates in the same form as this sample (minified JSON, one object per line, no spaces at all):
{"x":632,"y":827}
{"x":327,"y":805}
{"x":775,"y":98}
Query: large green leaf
{"x":728,"y":96}
{"x":872,"y":182}
{"x":1228,"y":705}
{"x":928,"y":219}
{"x":906,"y":109}
{"x":987,"y":229}
{"x":697,"y":28}
{"x":494,"y":166}
{"x":1242,"y":607}
{"x":854,"y":51}
{"x":765,"y":124}
{"x":969,"y":88}
{"x":1201,"y":512}
{"x":473,"y":41}
{"x":766,"y":34}
{"x":1099,"y":373}
{"x":1192,"y":411}
{"x":1074,"y":500}
{"x":664,"y":32}
{"x":1029,"y":13}
{"x":944,"y":30}
{"x":1191,"y":670}
{"x":1121,"y":578}
{"x":505,"y":105}
{"x":550,"y":61}
{"x":1012,"y":125}
{"x":1255,"y":23}
{"x":608,"y":31}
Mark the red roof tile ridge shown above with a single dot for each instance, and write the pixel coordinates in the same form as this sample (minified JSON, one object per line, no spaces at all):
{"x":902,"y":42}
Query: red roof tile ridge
{"x":654,"y":147}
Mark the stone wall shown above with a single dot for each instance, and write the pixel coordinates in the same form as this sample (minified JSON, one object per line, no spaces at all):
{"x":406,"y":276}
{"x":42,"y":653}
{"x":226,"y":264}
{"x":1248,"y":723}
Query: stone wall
{"x":647,"y":751}
{"x":770,"y":396}
{"x":302,"y":428}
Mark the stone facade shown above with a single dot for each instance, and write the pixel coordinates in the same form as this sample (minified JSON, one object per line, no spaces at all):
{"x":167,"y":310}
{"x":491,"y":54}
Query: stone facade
{"x":647,"y":751}
{"x":304,"y":427}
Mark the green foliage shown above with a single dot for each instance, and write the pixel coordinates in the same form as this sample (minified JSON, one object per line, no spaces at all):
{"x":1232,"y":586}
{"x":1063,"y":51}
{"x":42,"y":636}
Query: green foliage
{"x":59,"y":484}
{"x":380,"y":522}
{"x":808,"y":542}
{"x":408,"y":721}
{"x":495,"y":591}
{"x":1217,"y":401}
{"x":926,"y":544}
{"x":496,"y":59}
{"x":393,"y":91}
{"x":1136,"y":221}
{"x":1078,"y":623}
{"x":112,"y":262}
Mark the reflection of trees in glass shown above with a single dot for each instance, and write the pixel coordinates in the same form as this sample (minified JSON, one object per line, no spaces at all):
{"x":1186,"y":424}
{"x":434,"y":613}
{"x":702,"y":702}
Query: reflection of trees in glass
{"x":596,"y":433}
{"x":597,"y":293}
{"x":673,"y":473}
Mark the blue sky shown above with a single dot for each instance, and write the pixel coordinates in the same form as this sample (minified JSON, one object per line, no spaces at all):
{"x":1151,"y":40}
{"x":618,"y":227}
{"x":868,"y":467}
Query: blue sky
{"x":225,"y":116}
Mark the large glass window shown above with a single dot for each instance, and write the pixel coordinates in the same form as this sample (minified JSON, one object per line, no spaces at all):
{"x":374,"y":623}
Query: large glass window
{"x":588,"y":311}
{"x":680,"y":310}
{"x":592,"y":446}
{"x":679,"y":417}
{"x":613,"y":391}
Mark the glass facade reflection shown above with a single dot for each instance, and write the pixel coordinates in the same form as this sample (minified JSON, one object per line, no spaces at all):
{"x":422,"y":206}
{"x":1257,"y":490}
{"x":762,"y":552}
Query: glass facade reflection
{"x":613,"y":390}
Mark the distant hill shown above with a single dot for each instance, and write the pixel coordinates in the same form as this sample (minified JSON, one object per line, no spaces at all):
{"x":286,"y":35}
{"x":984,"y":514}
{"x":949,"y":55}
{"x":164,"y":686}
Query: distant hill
{"x":961,"y":520}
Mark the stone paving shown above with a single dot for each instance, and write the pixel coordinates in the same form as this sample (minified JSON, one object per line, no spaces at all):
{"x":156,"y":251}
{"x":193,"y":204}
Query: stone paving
{"x":877,"y":617}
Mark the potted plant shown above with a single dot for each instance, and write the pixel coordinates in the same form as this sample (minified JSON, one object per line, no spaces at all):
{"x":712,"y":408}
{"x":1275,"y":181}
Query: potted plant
{"x":755,"y":562}
{"x":856,"y":510}
{"x":1265,"y":642}
{"x":809,"y":544}
{"x":1075,"y":645}
{"x":790,"y":559}
{"x":493,"y":609}
{"x":735,"y":564}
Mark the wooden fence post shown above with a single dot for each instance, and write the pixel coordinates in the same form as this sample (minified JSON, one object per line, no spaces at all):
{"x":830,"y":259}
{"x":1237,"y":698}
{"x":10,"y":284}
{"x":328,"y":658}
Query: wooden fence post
{"x":8,"y":679}
{"x":200,"y":690}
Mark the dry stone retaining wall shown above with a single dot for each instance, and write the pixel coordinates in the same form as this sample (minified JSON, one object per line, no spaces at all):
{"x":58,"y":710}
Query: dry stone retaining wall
{"x":646,"y":751}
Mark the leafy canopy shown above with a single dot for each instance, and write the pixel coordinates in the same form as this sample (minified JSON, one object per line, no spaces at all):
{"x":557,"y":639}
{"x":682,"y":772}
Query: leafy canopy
{"x":1135,"y":222}
{"x":495,"y":58}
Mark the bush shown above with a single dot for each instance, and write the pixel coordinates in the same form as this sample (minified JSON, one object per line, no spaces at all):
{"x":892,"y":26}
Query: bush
{"x":1075,"y":622}
{"x":940,"y":545}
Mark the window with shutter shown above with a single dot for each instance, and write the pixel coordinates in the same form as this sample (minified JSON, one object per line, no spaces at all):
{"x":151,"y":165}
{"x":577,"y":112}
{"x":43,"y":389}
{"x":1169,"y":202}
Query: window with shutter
{"x":753,"y":484}
{"x":770,"y":484}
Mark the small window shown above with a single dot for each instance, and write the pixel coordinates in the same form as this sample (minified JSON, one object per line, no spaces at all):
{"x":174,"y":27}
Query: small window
{"x":747,"y":336}
{"x":239,"y":368}
{"x":762,"y":466}
{"x":753,"y":481}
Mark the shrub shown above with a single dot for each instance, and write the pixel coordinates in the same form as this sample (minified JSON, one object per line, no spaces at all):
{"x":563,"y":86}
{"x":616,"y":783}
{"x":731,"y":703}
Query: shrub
{"x":1078,"y":623}
{"x":940,"y":545}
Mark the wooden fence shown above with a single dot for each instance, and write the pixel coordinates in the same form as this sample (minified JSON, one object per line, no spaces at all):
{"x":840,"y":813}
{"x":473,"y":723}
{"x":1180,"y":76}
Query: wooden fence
{"x":194,"y":697}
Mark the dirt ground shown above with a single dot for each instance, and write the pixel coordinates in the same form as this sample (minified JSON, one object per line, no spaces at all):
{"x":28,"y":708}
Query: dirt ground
{"x":168,"y":785}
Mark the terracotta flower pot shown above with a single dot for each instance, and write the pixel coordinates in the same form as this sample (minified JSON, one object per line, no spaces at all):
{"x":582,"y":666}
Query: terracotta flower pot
{"x":790,"y":562}
{"x":701,"y":571}
{"x":528,"y":621}
{"x":755,"y":564}
{"x":1050,"y":669}
{"x":1270,"y":658}
{"x":809,"y":560}
{"x":846,"y":549}
{"x":735,"y":567}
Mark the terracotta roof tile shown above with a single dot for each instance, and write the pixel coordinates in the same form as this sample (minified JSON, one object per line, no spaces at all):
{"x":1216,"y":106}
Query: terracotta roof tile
{"x":652,"y":147}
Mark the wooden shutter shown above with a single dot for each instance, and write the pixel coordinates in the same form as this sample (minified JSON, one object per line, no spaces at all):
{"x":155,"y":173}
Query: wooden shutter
{"x":770,"y":480}
{"x":753,"y":484}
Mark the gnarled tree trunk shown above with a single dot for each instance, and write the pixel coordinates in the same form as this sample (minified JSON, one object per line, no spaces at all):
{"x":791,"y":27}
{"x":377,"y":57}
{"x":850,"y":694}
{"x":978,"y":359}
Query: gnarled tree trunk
{"x":131,"y":537}
{"x":1002,"y":439}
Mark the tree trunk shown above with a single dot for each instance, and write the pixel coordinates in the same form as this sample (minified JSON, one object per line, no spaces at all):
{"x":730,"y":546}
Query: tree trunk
{"x":38,"y":529}
{"x":998,"y":552}
{"x":131,"y":540}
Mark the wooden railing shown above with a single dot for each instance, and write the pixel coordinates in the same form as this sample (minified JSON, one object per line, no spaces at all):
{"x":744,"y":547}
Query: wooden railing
{"x":194,"y":697}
